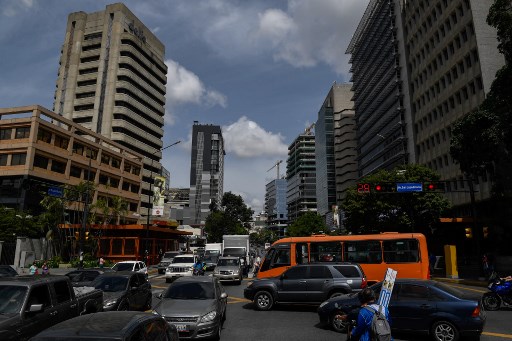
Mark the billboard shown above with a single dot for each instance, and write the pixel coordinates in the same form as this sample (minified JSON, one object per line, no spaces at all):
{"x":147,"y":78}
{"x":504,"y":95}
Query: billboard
{"x":158,"y":196}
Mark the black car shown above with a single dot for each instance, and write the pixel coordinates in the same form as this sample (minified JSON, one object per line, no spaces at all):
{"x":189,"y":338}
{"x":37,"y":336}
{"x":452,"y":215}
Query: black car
{"x":310,"y":283}
{"x":111,"y":326}
{"x":124,"y":290}
{"x":7,"y":271}
{"x":418,"y":306}
{"x":85,"y":277}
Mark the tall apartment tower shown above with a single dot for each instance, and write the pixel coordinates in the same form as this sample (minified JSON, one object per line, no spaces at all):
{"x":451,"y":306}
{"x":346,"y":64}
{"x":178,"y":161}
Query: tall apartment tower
{"x":112,"y":80}
{"x":452,"y":61}
{"x":206,"y":170}
{"x":275,"y":206}
{"x":381,"y":93}
{"x":301,"y":176}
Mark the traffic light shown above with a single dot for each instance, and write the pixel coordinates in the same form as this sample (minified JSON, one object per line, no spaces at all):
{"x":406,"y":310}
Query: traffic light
{"x":434,"y":186}
{"x":485,"y":231}
{"x":86,"y":235}
{"x":77,"y":235}
{"x":384,"y":187}
{"x":469,"y":232}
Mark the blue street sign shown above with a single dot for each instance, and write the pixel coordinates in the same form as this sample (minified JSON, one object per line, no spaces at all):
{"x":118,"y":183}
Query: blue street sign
{"x":409,"y":187}
{"x":56,"y":192}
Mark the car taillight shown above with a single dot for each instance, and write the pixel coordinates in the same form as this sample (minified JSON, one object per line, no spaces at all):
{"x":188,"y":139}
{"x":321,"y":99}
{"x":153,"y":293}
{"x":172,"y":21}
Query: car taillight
{"x":476,"y":312}
{"x":364,"y":283}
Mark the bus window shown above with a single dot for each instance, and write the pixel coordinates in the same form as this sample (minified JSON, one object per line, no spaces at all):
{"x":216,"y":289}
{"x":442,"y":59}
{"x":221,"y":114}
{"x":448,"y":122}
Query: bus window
{"x":281,"y":258}
{"x":266,"y":261}
{"x":401,"y":251}
{"x":301,"y":253}
{"x":326,"y":252}
{"x":365,"y":252}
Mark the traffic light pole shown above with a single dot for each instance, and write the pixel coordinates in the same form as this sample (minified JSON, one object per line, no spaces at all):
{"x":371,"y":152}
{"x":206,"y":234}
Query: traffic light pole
{"x":84,"y":220}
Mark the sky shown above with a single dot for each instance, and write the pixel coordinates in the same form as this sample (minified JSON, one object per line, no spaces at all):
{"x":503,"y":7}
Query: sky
{"x":260,"y":69}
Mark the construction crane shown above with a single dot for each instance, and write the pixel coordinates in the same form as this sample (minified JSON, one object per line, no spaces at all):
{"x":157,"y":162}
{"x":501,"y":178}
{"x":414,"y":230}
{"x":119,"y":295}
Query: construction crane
{"x":307,"y":131}
{"x":276,"y":165}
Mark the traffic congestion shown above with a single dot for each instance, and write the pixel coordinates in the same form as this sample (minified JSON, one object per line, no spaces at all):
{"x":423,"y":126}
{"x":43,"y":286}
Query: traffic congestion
{"x":317,"y":300}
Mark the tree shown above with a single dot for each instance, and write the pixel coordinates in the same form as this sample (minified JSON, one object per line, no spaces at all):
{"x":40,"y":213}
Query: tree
{"x":378,"y":212}
{"x":15,"y":223}
{"x":307,"y":224}
{"x":232,"y":218}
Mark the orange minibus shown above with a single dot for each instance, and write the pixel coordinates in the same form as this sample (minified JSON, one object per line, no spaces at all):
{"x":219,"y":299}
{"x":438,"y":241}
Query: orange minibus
{"x":404,"y":252}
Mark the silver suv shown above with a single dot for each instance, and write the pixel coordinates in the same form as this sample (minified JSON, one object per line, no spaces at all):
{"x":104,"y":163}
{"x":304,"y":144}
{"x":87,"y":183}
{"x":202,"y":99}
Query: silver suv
{"x":228,"y":269}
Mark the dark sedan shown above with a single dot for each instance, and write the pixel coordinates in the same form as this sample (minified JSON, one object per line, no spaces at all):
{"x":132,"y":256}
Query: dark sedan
{"x":418,"y":306}
{"x":111,"y":326}
{"x":195,"y":305}
{"x":124,"y":290}
{"x":7,"y":271}
{"x":85,"y":277}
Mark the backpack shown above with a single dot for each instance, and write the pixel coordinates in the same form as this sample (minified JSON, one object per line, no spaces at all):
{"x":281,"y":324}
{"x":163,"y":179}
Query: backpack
{"x":379,"y":329}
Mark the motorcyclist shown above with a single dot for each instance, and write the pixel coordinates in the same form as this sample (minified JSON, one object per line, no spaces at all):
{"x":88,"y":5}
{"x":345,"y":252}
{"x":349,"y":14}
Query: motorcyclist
{"x":199,"y":267}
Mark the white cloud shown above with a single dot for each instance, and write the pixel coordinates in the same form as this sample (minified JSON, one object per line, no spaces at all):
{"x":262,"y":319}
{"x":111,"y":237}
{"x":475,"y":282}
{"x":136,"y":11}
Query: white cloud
{"x":184,"y":86}
{"x":247,"y":139}
{"x":12,"y":8}
{"x":169,"y":118}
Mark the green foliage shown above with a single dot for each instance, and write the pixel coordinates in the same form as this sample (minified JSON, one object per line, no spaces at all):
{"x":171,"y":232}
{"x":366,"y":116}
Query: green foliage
{"x":264,"y":235}
{"x":231,"y":219}
{"x":16,"y":223}
{"x":500,"y":17}
{"x":379,"y":212}
{"x":307,"y":224}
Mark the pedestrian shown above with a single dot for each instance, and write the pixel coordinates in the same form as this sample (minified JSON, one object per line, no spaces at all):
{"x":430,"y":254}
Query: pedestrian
{"x":257,"y":264}
{"x":33,"y":269}
{"x":160,"y":254}
{"x":363,"y":329}
{"x":81,"y":264}
{"x":432,"y":262}
{"x":45,"y":269}
{"x":102,"y":262}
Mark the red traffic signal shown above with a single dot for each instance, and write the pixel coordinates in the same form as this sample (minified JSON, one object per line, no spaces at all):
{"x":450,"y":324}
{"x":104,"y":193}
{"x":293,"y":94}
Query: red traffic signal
{"x":434,"y":186}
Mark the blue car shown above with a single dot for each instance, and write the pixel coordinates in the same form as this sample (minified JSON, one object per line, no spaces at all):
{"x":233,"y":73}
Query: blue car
{"x":417,"y":306}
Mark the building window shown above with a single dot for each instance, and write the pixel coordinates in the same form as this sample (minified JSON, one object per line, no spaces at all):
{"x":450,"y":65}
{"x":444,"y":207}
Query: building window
{"x":126,"y":186}
{"x":75,"y":172}
{"x":44,"y":135}
{"x":40,"y":161}
{"x":5,"y":134}
{"x":91,"y":153}
{"x":3,"y":159}
{"x":136,"y":170}
{"x":22,"y":133}
{"x":58,"y":167}
{"x":18,"y":159}
{"x":61,"y":142}
{"x":105,"y":159}
{"x":116,"y":163}
{"x":103,"y":179}
{"x":78,"y":148}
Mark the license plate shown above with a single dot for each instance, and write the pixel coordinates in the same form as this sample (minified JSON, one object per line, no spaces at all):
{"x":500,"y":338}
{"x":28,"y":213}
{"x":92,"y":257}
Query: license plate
{"x":181,"y":327}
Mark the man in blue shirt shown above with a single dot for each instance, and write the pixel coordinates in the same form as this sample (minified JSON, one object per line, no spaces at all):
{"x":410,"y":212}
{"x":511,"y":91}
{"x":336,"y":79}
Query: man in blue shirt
{"x":362,"y":331}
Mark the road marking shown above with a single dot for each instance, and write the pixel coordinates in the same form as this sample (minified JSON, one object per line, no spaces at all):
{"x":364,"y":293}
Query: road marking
{"x":159,"y":287}
{"x":232,"y":299}
{"x":507,"y":336}
{"x":469,"y":289}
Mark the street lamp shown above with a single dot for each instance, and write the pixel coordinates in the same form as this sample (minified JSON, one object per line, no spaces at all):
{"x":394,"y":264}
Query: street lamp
{"x":150,"y":206}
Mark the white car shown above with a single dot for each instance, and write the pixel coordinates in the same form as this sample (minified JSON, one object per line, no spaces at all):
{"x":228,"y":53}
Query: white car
{"x":182,"y":265}
{"x":131,"y":265}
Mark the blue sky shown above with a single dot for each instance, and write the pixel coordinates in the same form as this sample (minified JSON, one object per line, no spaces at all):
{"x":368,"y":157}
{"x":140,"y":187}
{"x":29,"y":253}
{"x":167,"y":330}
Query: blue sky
{"x":259,"y":69}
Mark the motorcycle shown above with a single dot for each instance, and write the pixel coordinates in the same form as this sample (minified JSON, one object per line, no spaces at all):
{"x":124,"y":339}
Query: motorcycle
{"x":500,"y":294}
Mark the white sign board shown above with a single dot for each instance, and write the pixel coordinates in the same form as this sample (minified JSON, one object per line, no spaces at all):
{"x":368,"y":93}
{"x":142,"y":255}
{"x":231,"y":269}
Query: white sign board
{"x":387,"y":287}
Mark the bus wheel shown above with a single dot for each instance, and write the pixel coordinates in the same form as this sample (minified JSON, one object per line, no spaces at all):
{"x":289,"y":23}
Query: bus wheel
{"x":263,"y":300}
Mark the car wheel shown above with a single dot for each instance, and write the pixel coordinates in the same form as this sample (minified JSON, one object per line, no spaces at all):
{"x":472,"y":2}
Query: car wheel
{"x":263,"y":300}
{"x":339,"y":326}
{"x":444,"y":331}
{"x":491,"y":301}
{"x":123,"y":306}
{"x":149,"y":302}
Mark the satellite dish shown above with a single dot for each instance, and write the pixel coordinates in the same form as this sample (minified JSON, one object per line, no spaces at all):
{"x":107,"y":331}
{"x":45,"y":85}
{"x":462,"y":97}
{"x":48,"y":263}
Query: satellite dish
{"x":49,"y":235}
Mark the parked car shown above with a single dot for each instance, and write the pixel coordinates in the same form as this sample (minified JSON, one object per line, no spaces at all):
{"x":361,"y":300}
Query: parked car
{"x":311,"y":283}
{"x":166,"y":260}
{"x":130,"y":265}
{"x":124,"y":290}
{"x":229,"y":269}
{"x":30,"y":304}
{"x":418,"y":306}
{"x":195,"y":305}
{"x":84,"y":277}
{"x":111,"y":326}
{"x":182,"y":265}
{"x":7,"y":271}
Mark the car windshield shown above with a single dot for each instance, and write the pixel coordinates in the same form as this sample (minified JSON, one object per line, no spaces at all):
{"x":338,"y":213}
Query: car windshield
{"x":190,"y":291}
{"x":110,"y":283}
{"x":228,"y":262}
{"x":183,"y":260}
{"x":74,"y":276}
{"x":7,"y":272}
{"x":11,"y":298}
{"x":123,"y":267}
{"x":170,"y":254}
{"x":210,"y":259}
{"x":234,"y":252}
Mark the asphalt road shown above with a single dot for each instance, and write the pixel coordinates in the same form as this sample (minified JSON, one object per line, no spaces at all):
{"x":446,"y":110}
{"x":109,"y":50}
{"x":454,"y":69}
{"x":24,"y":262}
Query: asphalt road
{"x":300,"y":322}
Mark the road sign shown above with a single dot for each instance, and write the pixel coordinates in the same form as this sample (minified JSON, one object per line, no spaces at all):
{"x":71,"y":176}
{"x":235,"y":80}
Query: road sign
{"x":56,"y":192}
{"x":387,"y":287}
{"x":409,"y":187}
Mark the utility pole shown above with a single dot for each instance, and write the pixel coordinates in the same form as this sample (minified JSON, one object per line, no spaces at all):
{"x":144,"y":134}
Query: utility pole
{"x":85,"y":217}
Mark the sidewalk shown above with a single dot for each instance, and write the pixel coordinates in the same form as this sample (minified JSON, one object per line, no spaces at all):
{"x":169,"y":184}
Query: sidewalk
{"x":464,"y":281}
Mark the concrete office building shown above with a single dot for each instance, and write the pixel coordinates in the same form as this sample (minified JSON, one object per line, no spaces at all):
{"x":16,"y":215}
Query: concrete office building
{"x":275,"y":206}
{"x":301,"y":176}
{"x":206,"y":170}
{"x":381,"y":93}
{"x":112,"y":80}
{"x":452,"y":60}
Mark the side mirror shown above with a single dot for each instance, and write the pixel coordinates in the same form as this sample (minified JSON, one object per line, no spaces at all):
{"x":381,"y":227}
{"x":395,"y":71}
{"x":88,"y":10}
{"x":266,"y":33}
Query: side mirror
{"x":283,"y":276}
{"x":34,"y":308}
{"x":159,"y":296}
{"x":223,"y":295}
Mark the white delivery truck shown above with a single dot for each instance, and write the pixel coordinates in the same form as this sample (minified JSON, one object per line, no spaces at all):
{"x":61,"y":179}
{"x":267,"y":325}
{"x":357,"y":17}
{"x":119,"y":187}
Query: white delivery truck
{"x":212,"y":252}
{"x":235,"y":245}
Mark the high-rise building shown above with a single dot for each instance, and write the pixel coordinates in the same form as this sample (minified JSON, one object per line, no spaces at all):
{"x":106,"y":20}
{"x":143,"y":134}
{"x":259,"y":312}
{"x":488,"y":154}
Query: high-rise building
{"x":275,"y":206}
{"x":206,"y":170}
{"x":112,"y":80}
{"x":301,"y":175}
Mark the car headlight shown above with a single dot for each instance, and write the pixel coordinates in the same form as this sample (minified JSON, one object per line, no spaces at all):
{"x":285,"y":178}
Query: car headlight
{"x":235,"y":272}
{"x":323,"y":303}
{"x":109,"y":303}
{"x":208,"y":317}
{"x":216,"y":271}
